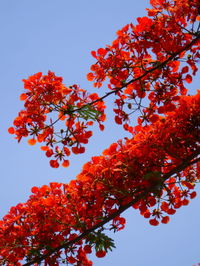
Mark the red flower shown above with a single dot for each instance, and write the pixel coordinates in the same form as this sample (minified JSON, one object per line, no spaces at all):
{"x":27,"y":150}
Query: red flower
{"x":101,"y":253}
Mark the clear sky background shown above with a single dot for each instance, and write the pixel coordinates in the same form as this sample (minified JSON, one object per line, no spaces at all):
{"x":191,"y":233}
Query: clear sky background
{"x":58,"y":35}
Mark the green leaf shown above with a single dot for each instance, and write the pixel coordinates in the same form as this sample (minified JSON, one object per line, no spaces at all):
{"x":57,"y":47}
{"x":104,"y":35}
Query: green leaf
{"x":100,"y":241}
{"x":87,"y":112}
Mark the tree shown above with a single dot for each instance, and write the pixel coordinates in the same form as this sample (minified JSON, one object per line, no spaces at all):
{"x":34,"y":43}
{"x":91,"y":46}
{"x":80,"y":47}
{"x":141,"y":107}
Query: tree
{"x":155,"y":171}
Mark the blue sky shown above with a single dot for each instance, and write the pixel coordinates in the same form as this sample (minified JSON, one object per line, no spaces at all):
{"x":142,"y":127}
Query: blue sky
{"x":59,"y":35}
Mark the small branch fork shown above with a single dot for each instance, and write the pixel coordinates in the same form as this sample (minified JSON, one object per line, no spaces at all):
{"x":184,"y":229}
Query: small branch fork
{"x":190,"y":160}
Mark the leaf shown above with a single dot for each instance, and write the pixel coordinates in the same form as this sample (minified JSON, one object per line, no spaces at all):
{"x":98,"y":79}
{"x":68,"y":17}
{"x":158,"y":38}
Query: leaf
{"x":87,"y":112}
{"x":100,"y":241}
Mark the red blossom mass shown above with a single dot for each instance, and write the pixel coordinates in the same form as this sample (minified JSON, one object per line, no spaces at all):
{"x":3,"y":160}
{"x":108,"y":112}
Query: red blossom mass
{"x":47,"y":95}
{"x":154,"y":171}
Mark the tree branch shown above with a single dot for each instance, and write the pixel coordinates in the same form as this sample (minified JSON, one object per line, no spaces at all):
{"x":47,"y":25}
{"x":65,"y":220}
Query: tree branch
{"x":170,"y":58}
{"x":187,"y":162}
{"x":117,"y":89}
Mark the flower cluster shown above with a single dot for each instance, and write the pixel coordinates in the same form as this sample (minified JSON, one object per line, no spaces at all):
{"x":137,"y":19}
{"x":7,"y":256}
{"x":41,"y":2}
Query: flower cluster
{"x":153,"y":60}
{"x":155,"y":171}
{"x":48,"y":102}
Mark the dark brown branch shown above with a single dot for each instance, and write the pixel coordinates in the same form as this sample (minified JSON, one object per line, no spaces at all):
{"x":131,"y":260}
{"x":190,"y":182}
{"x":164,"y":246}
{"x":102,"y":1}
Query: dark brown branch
{"x":187,"y":162}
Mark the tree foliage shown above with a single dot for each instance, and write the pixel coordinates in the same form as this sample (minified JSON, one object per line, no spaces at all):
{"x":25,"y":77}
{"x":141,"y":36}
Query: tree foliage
{"x":146,"y":69}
